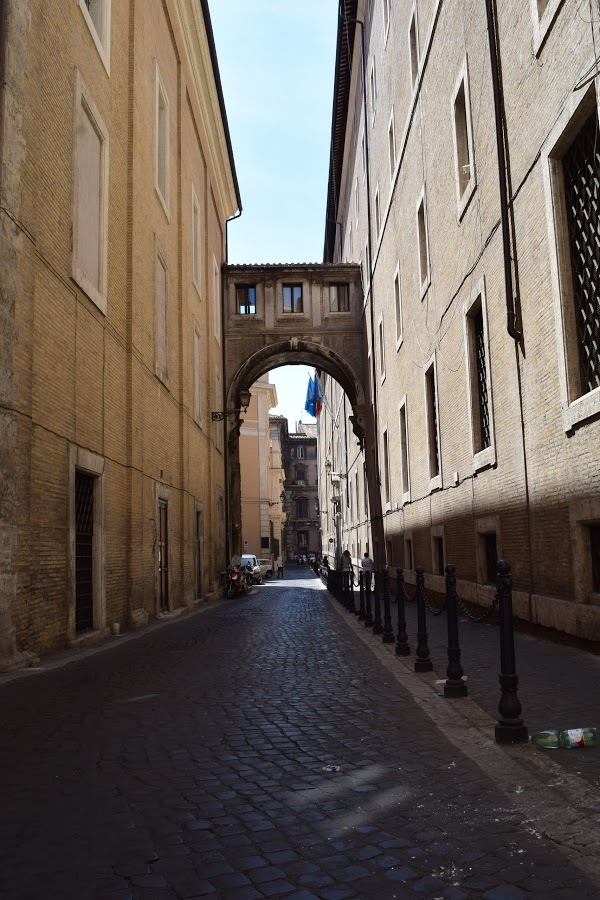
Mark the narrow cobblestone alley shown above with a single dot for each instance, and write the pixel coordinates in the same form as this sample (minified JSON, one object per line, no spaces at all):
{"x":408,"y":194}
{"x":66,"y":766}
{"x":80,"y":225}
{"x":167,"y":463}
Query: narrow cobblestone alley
{"x":269,"y":747}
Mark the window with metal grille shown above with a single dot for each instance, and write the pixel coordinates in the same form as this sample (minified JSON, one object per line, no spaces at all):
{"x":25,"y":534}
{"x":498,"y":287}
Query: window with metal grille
{"x":84,"y":552}
{"x":594,"y":531}
{"x":581,"y":170}
{"x":479,"y":380}
{"x":302,"y":508}
{"x":438,"y":555}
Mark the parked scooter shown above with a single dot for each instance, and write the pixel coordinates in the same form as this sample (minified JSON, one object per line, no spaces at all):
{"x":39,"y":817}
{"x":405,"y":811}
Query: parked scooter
{"x":237,"y":581}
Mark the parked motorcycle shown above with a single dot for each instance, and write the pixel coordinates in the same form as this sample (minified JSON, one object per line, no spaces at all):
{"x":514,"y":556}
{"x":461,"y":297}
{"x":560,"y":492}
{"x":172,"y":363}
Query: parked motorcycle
{"x":237,"y":581}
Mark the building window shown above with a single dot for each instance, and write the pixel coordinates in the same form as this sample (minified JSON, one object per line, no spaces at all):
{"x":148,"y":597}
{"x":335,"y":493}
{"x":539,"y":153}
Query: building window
{"x":373,"y":92}
{"x":303,"y":540}
{"x":339,"y":298}
{"x":87,"y":611}
{"x":292,"y":298}
{"x":392,"y":145}
{"x":97,"y":16}
{"x":463,"y":143}
{"x":245,"y":296}
{"x":300,"y":452}
{"x":381,"y":351}
{"x":90,"y":198}
{"x":386,"y":18}
{"x":405,"y":474}
{"x":300,"y":475}
{"x":479,"y":392}
{"x":264,"y":543}
{"x":431,"y":406}
{"x":217,"y":299}
{"x":161,"y":311}
{"x":572,"y":184}
{"x":398,"y":307}
{"x":491,"y":556}
{"x":219,"y":402}
{"x":594,"y":532}
{"x":423,"y":242}
{"x":197,"y":375}
{"x":196,"y":244}
{"x":413,"y":48}
{"x":488,"y":549}
{"x":409,"y":562}
{"x":386,"y":467}
{"x":161,"y":149}
{"x":437,"y":550}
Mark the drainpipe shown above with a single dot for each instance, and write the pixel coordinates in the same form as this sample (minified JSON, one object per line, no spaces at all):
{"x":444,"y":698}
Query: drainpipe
{"x":490,"y":8}
{"x":511,"y":324}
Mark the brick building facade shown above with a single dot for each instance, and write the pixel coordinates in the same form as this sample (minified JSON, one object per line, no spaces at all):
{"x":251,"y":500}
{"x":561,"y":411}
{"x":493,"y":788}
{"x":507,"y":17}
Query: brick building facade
{"x":117,"y":179}
{"x":483,"y":327}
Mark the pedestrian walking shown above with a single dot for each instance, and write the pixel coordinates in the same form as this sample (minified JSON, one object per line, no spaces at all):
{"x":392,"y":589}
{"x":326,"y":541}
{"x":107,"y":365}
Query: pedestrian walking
{"x":279,"y":567}
{"x":345,"y":566}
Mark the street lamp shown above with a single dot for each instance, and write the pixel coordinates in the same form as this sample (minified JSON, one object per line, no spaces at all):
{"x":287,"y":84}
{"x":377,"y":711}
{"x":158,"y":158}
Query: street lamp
{"x":244,"y":404}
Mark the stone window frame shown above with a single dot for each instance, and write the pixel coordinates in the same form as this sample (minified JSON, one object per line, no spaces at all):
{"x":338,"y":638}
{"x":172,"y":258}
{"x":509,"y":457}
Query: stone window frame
{"x":437,"y":532}
{"x":161,"y":91}
{"x":582,"y":514}
{"x":381,"y":341}
{"x":373,"y":91}
{"x":435,"y":481}
{"x":413,"y":48}
{"x":463,"y":197}
{"x":576,"y":409}
{"x":197,"y":371}
{"x":302,"y":284}
{"x":423,"y":253}
{"x":91,"y":464}
{"x":163,"y":492}
{"x":85,"y":106}
{"x":408,"y":539}
{"x":397,"y":291}
{"x":385,"y":4}
{"x":404,"y":449}
{"x":100,"y":38}
{"x":392,"y":145}
{"x":542,"y":23}
{"x":216,"y":292}
{"x":161,"y":259}
{"x":196,"y":240}
{"x":486,"y":457}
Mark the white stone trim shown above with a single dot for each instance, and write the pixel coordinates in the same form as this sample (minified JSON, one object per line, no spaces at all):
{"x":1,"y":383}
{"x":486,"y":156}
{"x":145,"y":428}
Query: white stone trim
{"x":83,"y":99}
{"x":159,"y":90}
{"x":92,"y":464}
{"x":101,"y":41}
{"x":542,"y":24}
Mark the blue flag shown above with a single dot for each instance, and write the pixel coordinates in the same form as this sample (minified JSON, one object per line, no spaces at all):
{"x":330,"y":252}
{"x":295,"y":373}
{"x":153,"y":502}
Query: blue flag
{"x":309,"y":406}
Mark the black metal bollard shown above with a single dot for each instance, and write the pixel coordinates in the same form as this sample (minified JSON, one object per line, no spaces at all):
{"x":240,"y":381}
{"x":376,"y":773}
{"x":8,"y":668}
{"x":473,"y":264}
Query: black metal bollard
{"x":510,"y":728}
{"x":388,"y":631}
{"x":455,"y":686}
{"x":402,"y":646}
{"x":377,"y":623}
{"x":422,"y":662}
{"x":361,"y":595}
{"x":369,"y":613}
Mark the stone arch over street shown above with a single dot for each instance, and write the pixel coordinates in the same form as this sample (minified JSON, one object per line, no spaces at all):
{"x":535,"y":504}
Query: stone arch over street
{"x":307,"y":314}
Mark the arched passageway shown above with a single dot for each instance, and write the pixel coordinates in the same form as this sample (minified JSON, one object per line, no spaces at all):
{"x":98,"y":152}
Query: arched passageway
{"x":279,"y":315}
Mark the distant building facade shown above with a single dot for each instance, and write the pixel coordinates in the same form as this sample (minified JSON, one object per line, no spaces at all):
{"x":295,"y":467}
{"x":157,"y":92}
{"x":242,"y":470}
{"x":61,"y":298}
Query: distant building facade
{"x":299,"y":451}
{"x":482,"y":310}
{"x":117,"y":179}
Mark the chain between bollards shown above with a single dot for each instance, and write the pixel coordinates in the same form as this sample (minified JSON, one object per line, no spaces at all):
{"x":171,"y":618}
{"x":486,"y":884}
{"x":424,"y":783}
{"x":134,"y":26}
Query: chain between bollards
{"x":377,"y":623}
{"x":402,"y":645}
{"x":510,"y":728}
{"x":455,"y":686}
{"x":422,"y":662}
{"x":388,"y":631}
{"x":368,"y":593}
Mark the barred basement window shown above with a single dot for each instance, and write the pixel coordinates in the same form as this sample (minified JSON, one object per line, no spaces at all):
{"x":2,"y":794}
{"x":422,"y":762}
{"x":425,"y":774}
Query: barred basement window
{"x":491,"y":557}
{"x":595,"y":552}
{"x":479,"y":379}
{"x":432,"y":423}
{"x":581,"y":170}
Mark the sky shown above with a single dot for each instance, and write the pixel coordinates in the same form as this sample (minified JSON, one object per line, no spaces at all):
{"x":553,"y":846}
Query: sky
{"x":276,"y":60}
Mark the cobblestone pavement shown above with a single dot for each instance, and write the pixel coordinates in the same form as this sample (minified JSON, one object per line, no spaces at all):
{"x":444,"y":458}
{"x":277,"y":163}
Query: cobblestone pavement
{"x":272,"y":747}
